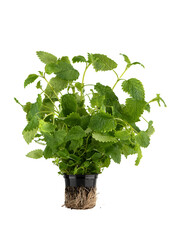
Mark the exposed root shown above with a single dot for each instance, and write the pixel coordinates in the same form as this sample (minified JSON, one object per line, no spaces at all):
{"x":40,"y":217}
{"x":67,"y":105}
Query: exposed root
{"x":80,"y":197}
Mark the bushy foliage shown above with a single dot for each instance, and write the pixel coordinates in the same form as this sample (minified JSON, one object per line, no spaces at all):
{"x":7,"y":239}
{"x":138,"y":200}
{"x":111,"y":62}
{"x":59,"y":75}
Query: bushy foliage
{"x":83,"y":139}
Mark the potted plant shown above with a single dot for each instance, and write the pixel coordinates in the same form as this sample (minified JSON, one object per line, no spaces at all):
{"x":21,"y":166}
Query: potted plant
{"x":82,"y":138}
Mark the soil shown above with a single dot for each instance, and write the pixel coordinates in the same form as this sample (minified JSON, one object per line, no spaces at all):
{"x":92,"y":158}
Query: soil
{"x":80,"y":197}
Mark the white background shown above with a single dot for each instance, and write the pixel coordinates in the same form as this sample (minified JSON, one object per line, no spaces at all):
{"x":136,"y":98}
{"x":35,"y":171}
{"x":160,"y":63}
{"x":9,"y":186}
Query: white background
{"x":133,"y":202}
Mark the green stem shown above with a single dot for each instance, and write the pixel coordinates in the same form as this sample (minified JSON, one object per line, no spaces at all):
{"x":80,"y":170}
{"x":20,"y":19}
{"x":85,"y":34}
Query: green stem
{"x":49,"y":85}
{"x":83,"y":78}
{"x":144,"y":119}
{"x":50,"y":100}
{"x":119,"y":78}
{"x":127,"y":124}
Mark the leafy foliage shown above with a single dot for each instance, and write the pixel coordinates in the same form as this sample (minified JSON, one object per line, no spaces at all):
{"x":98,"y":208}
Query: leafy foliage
{"x":134,"y":87}
{"x":83,"y":139}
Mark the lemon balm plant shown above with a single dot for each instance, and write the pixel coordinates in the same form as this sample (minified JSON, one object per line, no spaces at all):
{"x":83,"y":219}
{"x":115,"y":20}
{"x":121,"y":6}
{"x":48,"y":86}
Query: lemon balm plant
{"x":81,"y":138}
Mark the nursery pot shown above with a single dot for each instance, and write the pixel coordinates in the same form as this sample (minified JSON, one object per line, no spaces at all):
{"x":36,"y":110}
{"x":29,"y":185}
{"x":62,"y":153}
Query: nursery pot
{"x":80,"y":191}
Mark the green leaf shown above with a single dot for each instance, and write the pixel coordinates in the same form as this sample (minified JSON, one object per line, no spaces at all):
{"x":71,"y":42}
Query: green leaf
{"x":31,"y":129}
{"x":85,"y":120}
{"x":158,"y":99}
{"x":47,"y":153}
{"x":46,"y":57}
{"x":46,"y":126}
{"x":63,"y":70}
{"x":56,"y":140}
{"x":63,"y":154}
{"x":134,"y":87}
{"x":127,"y":150}
{"x":38,"y":85}
{"x":101,"y":62}
{"x":30,"y":79}
{"x":54,"y":86}
{"x":114,"y":152}
{"x":150,"y":130}
{"x":97,"y":100}
{"x":17,"y":101}
{"x":147,"y":107}
{"x":134,"y":109}
{"x":79,"y":86}
{"x":126,"y":59}
{"x":142,"y":139}
{"x":103,"y":137}
{"x":138,"y":63}
{"x":75,"y":133}
{"x":65,"y":59}
{"x":73,"y":119}
{"x":78,"y":58}
{"x":106,"y":162}
{"x":35,"y":154}
{"x":122,"y":135}
{"x":34,"y":108}
{"x":139,"y":155}
{"x":108,"y":93}
{"x":75,"y":144}
{"x":102,"y":122}
{"x":69,"y":104}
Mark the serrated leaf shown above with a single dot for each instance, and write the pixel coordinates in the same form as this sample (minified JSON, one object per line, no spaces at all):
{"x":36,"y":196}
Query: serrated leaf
{"x":30,"y":79}
{"x":127,"y":150}
{"x":46,"y":57}
{"x":102,"y":122}
{"x":65,"y":59}
{"x":79,"y":86}
{"x":108,"y":93}
{"x":78,"y":58}
{"x":69,"y":104}
{"x":46,"y":126}
{"x":55,"y":140}
{"x":150,"y":130}
{"x":31,"y":129}
{"x":114,"y":152}
{"x":139,"y":155}
{"x":38,"y":153}
{"x":126,"y":59}
{"x":63,"y":70}
{"x":97,"y":100}
{"x":134,"y":108}
{"x":75,"y":133}
{"x":47,"y":153}
{"x":103,"y":137}
{"x":38,"y":85}
{"x":122,"y":135}
{"x":54,"y":86}
{"x":142,"y":139}
{"x":35,"y":108}
{"x":101,"y":62}
{"x":73,"y":119}
{"x":134,"y":87}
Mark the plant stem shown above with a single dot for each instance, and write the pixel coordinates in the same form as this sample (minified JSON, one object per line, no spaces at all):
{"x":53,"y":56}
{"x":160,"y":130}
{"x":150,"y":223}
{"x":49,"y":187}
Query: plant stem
{"x":49,"y":85}
{"x":50,"y":100}
{"x":144,"y":119}
{"x":127,"y":124}
{"x":119,"y":78}
{"x":87,"y":65}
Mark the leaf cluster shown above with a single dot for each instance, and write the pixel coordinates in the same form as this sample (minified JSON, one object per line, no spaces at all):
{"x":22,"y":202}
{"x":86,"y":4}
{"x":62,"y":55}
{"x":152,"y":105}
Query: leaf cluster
{"x":84,"y":139}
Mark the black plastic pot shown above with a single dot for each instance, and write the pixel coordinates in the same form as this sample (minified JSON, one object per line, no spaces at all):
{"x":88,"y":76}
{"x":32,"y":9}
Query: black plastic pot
{"x":88,"y":181}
